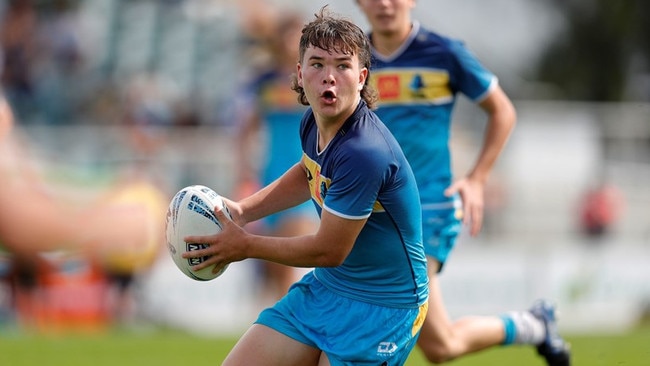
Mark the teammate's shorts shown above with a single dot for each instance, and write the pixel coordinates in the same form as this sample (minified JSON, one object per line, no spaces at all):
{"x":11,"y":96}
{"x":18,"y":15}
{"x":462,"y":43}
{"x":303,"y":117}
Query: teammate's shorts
{"x":349,"y":332}
{"x":440,"y":228}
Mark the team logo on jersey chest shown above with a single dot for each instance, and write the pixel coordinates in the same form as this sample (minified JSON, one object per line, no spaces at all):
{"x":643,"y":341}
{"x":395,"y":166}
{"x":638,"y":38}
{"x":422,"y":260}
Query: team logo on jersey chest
{"x":318,"y":184}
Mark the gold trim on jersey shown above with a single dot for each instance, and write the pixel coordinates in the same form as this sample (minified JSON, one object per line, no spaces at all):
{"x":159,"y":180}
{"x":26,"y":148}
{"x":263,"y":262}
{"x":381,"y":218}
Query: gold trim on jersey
{"x":319,"y":184}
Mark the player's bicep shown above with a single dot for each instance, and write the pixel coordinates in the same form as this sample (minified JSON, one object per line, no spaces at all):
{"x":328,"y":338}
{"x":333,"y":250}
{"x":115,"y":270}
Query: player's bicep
{"x":336,"y":235}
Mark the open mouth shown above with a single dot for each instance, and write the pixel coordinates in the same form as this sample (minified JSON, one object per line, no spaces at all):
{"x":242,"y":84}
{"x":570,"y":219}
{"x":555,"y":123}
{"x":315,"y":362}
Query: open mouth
{"x":329,"y":96}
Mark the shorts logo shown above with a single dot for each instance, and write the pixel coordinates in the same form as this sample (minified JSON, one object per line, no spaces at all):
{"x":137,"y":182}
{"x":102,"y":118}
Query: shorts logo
{"x":386,"y":347}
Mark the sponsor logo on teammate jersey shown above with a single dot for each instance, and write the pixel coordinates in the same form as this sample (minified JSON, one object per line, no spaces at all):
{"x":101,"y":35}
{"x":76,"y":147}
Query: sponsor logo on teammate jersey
{"x":412,"y":86}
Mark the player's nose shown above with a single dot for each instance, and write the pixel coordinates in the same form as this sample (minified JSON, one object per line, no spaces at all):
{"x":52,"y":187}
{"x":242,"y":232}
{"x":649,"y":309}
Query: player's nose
{"x":329,"y":78}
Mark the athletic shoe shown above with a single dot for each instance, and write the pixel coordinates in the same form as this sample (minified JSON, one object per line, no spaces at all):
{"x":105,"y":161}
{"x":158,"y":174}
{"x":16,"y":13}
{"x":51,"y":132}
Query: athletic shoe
{"x":554,"y":349}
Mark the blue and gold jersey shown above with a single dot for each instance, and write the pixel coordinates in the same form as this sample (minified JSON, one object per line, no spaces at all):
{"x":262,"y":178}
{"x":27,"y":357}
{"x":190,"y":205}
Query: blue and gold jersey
{"x":362,"y":173}
{"x":418,"y":86}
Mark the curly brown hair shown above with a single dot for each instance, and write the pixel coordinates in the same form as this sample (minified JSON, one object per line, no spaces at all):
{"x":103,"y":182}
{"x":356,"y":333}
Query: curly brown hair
{"x":337,"y":34}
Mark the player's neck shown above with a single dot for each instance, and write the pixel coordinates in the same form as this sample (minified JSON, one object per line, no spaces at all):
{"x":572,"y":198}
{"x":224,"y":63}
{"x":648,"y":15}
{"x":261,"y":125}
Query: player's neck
{"x":329,"y":125}
{"x":386,"y":43}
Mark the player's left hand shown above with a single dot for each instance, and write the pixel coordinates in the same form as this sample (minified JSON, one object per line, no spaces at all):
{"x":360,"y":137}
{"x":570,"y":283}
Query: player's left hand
{"x":225,"y":247}
{"x":471,"y":193}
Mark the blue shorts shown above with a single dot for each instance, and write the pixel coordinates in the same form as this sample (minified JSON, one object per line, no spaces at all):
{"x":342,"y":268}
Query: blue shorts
{"x":440,"y":228}
{"x":349,"y":332}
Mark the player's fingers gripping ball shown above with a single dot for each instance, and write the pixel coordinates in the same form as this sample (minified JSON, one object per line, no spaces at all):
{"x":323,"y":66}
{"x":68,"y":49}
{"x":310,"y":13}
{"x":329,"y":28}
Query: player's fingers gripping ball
{"x":191,"y":213}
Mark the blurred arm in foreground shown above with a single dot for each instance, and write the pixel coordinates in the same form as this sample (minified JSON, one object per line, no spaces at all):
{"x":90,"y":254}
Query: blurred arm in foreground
{"x":34,"y":219}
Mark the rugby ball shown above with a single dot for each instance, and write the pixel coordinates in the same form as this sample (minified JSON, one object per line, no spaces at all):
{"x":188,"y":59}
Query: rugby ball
{"x":191,"y":212}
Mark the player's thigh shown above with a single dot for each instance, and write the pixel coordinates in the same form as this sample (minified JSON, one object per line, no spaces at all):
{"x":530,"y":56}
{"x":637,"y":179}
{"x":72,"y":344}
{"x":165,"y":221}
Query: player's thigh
{"x":261,"y":345}
{"x":437,"y":325}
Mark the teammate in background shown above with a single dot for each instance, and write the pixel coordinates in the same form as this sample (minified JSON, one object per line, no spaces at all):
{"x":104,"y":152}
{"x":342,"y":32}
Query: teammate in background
{"x":270,"y":119}
{"x":418,"y":74}
{"x":367,"y":252}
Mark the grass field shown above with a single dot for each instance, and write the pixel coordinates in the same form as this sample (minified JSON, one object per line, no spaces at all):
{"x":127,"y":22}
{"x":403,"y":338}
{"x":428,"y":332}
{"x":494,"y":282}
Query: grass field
{"x":166,"y":347}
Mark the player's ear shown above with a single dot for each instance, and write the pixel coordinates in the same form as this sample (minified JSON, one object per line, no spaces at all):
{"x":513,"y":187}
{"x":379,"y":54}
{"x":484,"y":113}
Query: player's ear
{"x":299,"y":74}
{"x":363,"y":75}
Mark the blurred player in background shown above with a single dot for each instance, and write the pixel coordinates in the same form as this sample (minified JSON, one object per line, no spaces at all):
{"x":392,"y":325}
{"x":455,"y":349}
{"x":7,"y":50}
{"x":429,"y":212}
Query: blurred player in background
{"x":270,"y":116}
{"x":365,"y":299}
{"x":418,"y":74}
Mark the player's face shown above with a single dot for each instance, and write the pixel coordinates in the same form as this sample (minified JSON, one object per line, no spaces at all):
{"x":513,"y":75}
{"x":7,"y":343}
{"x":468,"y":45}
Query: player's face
{"x":332,"y":83}
{"x":388,"y":16}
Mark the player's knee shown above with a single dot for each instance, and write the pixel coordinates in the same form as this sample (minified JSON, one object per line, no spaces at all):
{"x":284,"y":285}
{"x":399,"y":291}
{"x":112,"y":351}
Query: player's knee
{"x":437,"y":358}
{"x":437,"y":353}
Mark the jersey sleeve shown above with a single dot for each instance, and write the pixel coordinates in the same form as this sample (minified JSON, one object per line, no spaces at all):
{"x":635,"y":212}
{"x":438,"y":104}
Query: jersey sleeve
{"x":356,"y":182}
{"x":473,"y":79}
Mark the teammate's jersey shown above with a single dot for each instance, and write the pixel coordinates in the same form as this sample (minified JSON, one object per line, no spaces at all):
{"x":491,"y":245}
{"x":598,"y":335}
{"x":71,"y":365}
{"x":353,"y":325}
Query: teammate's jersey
{"x":281,"y":112}
{"x":418,"y":86}
{"x":362,"y":173}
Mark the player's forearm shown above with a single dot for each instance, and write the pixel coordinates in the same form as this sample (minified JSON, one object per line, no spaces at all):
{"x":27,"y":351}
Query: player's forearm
{"x":297,"y":251}
{"x":287,"y":191}
{"x":501,"y":121}
{"x":495,"y":141}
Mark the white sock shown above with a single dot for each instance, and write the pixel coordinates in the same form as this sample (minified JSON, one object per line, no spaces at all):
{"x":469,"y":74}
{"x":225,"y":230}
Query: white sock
{"x":529,"y":329}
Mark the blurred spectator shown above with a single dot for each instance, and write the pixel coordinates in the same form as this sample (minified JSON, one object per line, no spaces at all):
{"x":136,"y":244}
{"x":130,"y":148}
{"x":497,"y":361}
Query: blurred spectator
{"x":148,"y":104}
{"x":600,"y":209}
{"x":61,"y":86}
{"x":18,"y":38}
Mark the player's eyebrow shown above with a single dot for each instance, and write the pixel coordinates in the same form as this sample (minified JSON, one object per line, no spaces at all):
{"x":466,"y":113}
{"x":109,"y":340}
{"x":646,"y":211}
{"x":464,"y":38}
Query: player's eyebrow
{"x":340,"y":59}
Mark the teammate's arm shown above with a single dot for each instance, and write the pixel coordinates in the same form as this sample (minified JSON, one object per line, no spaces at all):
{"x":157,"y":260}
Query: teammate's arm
{"x":501,"y":119}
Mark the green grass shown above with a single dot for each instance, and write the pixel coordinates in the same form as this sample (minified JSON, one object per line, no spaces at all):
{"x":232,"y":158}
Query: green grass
{"x":630,"y":349}
{"x":167,"y":347}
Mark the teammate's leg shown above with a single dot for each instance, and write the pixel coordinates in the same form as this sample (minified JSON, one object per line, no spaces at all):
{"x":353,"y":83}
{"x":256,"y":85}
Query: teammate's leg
{"x":443,"y":340}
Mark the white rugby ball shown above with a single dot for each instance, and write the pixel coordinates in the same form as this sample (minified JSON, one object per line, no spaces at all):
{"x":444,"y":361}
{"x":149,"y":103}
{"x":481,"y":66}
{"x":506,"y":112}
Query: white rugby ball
{"x":191,"y":212}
